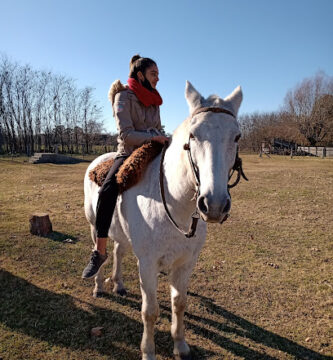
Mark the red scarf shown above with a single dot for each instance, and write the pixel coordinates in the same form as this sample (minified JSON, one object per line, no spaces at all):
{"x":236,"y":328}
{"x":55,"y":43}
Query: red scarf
{"x":145,"y":96}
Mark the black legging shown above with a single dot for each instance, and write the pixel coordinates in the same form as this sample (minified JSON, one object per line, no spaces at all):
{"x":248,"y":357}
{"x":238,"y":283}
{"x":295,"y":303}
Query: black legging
{"x":107,"y":199}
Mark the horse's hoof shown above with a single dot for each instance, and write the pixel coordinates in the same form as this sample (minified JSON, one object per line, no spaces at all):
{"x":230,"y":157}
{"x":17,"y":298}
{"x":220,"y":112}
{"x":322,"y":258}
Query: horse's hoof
{"x":122,"y":292}
{"x":148,"y":357}
{"x":183,"y":357}
{"x":98,"y":294}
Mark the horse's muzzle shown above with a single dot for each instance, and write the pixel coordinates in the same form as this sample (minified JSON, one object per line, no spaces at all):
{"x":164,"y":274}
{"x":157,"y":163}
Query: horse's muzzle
{"x":213,"y":211}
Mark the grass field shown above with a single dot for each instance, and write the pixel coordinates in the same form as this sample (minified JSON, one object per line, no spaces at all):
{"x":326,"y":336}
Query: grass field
{"x":262,"y":288}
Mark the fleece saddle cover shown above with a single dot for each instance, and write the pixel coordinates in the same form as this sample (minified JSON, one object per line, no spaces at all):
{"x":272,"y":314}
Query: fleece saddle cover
{"x":133,"y":168}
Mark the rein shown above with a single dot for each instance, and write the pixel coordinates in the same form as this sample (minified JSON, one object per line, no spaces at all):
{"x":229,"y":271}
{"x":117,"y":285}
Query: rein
{"x":237,"y":167}
{"x":195,"y":215}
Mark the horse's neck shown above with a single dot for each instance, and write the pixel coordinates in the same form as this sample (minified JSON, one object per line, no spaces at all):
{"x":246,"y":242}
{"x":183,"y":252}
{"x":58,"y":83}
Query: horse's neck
{"x":179,"y":184}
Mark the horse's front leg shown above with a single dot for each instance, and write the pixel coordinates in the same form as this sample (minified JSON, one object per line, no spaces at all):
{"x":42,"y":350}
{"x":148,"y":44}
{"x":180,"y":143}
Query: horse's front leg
{"x":178,"y":282}
{"x":99,"y":283}
{"x":150,"y":310}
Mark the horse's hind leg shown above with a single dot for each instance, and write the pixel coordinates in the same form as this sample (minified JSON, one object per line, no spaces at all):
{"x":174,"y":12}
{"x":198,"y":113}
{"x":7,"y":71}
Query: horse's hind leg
{"x":119,"y":251}
{"x":178,"y":282}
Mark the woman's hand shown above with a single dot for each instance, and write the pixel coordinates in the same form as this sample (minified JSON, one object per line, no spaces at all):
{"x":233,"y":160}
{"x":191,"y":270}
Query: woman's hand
{"x":161,"y":139}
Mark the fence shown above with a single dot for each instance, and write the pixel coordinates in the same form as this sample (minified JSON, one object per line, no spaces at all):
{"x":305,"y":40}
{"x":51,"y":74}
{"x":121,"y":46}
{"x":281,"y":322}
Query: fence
{"x":321,"y":151}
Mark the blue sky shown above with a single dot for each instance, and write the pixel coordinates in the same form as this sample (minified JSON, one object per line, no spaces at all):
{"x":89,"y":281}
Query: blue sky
{"x":266,"y":46}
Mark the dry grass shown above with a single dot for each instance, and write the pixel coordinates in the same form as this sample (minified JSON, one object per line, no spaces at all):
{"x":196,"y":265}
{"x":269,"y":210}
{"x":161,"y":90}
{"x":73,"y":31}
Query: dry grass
{"x":262,"y":288}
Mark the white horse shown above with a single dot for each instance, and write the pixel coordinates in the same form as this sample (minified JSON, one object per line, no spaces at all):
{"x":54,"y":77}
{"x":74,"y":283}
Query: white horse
{"x":140,"y":220}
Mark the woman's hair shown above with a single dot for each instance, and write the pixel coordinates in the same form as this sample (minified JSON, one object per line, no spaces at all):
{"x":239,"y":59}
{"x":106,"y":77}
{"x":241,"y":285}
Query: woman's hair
{"x":139,"y":63}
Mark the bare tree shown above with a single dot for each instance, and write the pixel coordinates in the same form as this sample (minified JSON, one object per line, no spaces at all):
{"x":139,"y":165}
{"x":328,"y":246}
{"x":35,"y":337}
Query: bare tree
{"x":8,"y":110}
{"x":91,"y":114}
{"x":309,"y":105}
{"x":40,"y":110}
{"x":259,"y":127}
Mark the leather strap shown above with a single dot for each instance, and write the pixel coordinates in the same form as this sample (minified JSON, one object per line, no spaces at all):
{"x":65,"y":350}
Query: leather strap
{"x":240,"y":172}
{"x":213,"y":109}
{"x":195,"y":216}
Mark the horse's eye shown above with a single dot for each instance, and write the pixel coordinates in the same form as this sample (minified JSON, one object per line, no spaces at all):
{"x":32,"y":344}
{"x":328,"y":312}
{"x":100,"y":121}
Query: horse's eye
{"x":191,"y":136}
{"x":237,"y":138}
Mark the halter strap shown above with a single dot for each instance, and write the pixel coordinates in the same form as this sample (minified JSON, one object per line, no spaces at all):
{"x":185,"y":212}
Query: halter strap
{"x":212,"y":109}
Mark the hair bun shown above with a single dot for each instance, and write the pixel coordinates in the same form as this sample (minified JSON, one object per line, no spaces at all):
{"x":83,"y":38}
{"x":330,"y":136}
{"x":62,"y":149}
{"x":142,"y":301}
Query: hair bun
{"x":134,"y":59}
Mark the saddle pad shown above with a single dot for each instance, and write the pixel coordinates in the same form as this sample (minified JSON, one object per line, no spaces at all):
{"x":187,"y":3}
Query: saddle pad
{"x":133,"y":168}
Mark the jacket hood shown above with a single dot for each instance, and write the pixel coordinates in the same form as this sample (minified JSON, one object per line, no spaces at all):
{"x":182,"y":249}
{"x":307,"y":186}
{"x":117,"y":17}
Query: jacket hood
{"x":115,"y":88}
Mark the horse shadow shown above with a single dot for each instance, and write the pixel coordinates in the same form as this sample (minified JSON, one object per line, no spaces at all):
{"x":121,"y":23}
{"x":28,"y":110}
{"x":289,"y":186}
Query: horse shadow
{"x":66,"y":321}
{"x":239,"y":327}
{"x":246,"y":329}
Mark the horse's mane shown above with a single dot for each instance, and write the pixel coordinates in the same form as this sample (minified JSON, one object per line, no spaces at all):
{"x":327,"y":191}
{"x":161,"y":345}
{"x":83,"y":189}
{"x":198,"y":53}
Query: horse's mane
{"x":182,"y":129}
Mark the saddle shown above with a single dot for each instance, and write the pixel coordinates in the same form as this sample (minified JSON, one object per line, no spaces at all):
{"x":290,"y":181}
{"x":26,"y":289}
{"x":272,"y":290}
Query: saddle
{"x":133,"y":168}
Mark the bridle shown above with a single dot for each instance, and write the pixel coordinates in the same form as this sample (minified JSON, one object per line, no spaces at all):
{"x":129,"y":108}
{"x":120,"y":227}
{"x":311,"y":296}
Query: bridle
{"x":187,"y":147}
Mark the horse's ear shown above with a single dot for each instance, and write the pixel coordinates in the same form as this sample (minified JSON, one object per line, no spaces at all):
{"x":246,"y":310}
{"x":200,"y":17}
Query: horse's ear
{"x":235,"y":99}
{"x":193,"y":97}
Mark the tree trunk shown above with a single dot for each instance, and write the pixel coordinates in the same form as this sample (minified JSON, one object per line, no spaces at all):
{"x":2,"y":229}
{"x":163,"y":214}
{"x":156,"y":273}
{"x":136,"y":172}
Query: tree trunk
{"x":40,"y":224}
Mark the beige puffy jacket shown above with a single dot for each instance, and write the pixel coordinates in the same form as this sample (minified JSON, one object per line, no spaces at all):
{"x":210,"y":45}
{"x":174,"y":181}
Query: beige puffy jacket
{"x":135,"y":122}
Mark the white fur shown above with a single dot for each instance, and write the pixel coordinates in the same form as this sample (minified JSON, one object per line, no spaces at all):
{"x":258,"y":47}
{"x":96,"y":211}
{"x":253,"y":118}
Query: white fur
{"x":140,"y":220}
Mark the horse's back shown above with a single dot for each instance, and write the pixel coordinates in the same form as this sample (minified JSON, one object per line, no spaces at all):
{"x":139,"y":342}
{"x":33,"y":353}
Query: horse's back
{"x":99,"y":160}
{"x":91,"y":188}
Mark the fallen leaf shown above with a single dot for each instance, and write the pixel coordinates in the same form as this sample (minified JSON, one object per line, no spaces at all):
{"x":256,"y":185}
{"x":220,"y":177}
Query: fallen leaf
{"x":96,"y":331}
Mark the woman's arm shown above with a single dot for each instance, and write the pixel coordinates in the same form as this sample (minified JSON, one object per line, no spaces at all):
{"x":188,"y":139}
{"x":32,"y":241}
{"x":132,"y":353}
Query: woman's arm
{"x":160,"y":138}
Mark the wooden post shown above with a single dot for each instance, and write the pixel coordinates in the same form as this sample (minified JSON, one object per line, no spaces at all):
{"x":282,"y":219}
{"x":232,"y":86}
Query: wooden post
{"x":40,"y":224}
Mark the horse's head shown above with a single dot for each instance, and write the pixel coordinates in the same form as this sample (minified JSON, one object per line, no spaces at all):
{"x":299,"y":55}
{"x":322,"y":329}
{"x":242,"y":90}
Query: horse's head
{"x":213,"y":134}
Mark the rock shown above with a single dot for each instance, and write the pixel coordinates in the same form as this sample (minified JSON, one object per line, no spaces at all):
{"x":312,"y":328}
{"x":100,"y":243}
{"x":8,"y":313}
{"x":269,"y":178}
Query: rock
{"x":315,"y":249}
{"x":40,"y":224}
{"x":275,"y":266}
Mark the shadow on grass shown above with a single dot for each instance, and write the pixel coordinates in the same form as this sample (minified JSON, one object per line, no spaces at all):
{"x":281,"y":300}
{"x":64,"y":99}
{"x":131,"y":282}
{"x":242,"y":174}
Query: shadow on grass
{"x":233,"y":325}
{"x":199,"y":353}
{"x":61,"y":237}
{"x":246,"y":329}
{"x":60,"y":319}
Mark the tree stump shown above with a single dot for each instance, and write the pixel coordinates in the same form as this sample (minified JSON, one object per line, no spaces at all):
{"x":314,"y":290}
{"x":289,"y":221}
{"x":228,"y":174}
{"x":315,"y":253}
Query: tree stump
{"x":40,"y":224}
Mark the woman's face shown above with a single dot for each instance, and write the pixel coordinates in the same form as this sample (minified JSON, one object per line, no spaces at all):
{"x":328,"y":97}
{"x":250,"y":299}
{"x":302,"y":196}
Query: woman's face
{"x":152,"y":75}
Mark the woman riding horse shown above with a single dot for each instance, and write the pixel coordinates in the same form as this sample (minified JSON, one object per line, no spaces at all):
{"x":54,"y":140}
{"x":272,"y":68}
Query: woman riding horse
{"x":137,"y":114}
